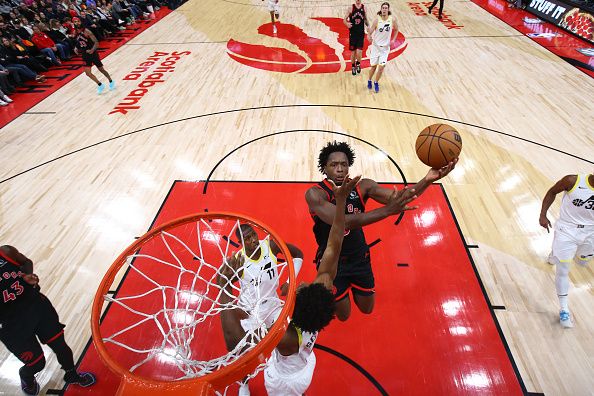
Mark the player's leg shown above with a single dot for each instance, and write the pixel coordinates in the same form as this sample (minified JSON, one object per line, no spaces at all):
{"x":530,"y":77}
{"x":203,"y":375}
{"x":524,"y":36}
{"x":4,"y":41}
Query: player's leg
{"x":432,"y":5}
{"x":440,"y":8}
{"x":343,"y":302}
{"x":19,"y":339}
{"x":97,"y":62}
{"x":564,"y":250}
{"x":585,"y":250}
{"x":371,"y":73}
{"x":363,"y":286}
{"x":353,"y":49}
{"x":90,"y":74}
{"x":51,"y":332}
{"x":374,"y":58}
{"x":383,"y":59}
{"x":359,"y":57}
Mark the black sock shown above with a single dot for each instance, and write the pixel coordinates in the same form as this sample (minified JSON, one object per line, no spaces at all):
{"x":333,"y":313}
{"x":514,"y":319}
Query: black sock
{"x":63,"y":353}
{"x":110,"y":80}
{"x":99,"y":82}
{"x":358,"y":63}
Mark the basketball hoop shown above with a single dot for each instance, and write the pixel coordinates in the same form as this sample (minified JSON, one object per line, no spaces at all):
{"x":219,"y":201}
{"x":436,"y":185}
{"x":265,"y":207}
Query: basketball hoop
{"x":162,"y":334}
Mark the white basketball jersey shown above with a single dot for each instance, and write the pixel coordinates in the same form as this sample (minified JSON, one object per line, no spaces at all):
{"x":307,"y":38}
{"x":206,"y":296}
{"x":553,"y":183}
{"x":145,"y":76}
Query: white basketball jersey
{"x":577,"y":206}
{"x":381,"y":36}
{"x":259,"y":280}
{"x":292,"y":364}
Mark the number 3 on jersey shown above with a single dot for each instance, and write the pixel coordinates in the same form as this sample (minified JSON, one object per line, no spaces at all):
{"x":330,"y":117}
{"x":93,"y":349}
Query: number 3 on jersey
{"x":11,"y":296}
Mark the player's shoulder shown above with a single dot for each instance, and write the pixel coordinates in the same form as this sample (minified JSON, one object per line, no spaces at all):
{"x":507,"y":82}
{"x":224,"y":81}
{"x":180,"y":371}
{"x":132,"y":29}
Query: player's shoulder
{"x":569,"y":180}
{"x":7,"y":249}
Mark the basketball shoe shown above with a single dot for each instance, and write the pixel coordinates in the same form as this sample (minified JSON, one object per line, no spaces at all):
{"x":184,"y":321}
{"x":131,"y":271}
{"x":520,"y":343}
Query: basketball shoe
{"x":111,"y":85}
{"x":82,"y":379}
{"x":376,"y":86}
{"x":100,"y":89}
{"x":358,"y":65}
{"x":565,"y":319}
{"x":29,"y":386}
{"x":368,"y":84}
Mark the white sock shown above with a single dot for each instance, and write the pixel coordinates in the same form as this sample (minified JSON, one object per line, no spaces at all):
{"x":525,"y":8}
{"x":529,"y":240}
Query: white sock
{"x":562,"y":284}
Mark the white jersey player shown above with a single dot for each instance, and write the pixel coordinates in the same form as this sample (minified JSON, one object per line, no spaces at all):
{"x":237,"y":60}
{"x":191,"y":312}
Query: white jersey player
{"x":258,"y":283}
{"x":292,"y":363}
{"x":274,"y":9}
{"x":257,"y":272}
{"x":381,"y":34}
{"x":574,"y":232}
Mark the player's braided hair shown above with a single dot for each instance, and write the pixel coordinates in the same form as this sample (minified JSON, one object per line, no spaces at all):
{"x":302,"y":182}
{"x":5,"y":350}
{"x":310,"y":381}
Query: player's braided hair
{"x":314,"y":307}
{"x":335,"y":147}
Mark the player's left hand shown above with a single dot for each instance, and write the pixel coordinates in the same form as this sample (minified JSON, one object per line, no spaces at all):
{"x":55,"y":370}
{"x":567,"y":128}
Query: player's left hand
{"x":436,"y":174}
{"x":31,"y":279}
{"x":346,"y":187}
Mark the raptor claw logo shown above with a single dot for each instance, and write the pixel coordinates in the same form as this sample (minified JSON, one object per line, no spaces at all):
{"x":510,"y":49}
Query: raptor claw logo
{"x":322,"y":57}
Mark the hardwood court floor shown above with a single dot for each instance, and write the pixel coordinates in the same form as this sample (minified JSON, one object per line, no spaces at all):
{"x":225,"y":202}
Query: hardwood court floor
{"x":76,"y":187}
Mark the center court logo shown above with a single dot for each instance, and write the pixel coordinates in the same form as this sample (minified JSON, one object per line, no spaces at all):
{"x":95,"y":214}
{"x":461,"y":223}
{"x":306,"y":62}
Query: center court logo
{"x":321,"y":58}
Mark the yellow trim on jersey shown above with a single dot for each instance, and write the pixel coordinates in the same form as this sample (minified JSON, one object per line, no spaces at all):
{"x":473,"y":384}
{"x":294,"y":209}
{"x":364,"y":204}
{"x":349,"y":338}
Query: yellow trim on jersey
{"x":588,"y":183}
{"x":577,"y":182}
{"x":259,"y":258}
{"x":299,"y":335}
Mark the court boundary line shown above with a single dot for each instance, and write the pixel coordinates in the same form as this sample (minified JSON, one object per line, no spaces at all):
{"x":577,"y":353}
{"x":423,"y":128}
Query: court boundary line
{"x":490,"y":306}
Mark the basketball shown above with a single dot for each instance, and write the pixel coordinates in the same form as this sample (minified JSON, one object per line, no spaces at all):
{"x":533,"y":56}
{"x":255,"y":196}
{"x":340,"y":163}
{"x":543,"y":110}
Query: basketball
{"x":438,"y":144}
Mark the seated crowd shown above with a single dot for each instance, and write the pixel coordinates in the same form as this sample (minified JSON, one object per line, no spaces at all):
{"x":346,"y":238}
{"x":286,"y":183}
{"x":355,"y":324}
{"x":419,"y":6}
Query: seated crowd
{"x":39,"y":34}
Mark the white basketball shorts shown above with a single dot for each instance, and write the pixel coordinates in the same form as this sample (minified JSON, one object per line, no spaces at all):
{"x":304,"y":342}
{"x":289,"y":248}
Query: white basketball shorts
{"x":273,"y":6}
{"x":264,"y":314}
{"x":573,"y":241}
{"x":378,"y":55}
{"x":293,"y":385}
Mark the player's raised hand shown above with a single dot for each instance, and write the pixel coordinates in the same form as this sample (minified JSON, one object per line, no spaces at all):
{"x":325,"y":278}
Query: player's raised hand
{"x":345,"y":188}
{"x":436,"y":174}
{"x":399,"y":200}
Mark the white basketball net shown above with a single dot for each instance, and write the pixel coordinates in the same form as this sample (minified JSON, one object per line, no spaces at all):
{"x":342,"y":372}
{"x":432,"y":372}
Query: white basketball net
{"x":183,"y":309}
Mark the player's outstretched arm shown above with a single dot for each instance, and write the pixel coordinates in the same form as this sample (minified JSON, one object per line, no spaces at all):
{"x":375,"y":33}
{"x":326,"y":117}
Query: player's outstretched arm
{"x":565,"y":184}
{"x":382,"y":195}
{"x":329,"y":263}
{"x":395,"y":202}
